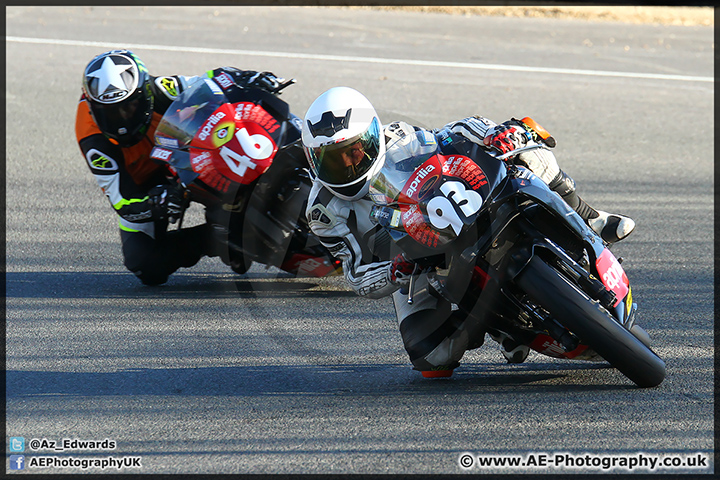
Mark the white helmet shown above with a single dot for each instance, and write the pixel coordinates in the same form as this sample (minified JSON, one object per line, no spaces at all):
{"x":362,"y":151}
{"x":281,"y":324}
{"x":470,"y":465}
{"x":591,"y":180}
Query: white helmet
{"x":343,"y":141}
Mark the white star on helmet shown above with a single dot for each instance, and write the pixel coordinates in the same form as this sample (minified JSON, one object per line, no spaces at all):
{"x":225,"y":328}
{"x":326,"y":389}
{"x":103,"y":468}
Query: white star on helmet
{"x":109,"y":74}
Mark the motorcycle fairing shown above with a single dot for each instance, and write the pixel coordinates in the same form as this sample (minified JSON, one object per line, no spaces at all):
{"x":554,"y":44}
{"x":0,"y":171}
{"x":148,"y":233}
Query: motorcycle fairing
{"x":310,"y":266}
{"x":442,"y":197}
{"x":204,"y":163}
{"x":523,"y":184}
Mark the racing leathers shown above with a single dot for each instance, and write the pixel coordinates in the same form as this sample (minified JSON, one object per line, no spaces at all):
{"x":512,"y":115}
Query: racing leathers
{"x":134,"y":184}
{"x":434,"y":335}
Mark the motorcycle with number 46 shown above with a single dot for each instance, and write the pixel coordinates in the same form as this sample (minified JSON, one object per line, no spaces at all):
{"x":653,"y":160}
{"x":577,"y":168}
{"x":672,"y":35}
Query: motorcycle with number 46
{"x":495,"y":241}
{"x":236,"y":150}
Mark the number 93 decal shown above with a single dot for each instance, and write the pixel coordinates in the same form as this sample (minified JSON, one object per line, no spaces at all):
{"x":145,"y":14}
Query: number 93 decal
{"x":441,"y":209}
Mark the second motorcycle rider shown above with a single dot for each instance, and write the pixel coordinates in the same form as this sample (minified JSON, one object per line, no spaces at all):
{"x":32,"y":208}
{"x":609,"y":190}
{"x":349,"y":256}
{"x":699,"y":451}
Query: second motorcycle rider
{"x":117,"y":115}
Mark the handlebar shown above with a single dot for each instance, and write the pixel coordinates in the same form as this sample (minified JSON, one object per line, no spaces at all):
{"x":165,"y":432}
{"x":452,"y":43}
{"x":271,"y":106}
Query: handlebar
{"x":283,"y":85}
{"x":422,"y":265}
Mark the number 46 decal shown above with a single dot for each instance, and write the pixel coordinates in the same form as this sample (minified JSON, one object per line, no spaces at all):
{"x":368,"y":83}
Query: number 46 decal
{"x":257,"y":147}
{"x":441,"y":211}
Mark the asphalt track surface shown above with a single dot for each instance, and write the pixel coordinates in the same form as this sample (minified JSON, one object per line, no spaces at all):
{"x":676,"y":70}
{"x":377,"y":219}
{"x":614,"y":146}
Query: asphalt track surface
{"x":260,"y":373}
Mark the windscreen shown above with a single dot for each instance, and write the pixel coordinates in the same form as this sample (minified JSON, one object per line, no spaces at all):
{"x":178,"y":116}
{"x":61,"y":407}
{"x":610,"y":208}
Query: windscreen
{"x":401,"y":159}
{"x":188,"y":113}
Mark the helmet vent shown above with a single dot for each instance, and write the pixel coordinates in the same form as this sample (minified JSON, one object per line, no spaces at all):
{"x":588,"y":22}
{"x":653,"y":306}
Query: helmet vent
{"x":329,"y":124}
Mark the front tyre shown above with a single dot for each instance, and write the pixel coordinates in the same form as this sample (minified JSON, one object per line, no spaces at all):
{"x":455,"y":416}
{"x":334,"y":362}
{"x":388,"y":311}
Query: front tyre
{"x":591,"y":322}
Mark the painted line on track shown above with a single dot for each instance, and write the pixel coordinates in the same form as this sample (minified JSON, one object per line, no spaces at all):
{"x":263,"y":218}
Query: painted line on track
{"x":341,"y":58}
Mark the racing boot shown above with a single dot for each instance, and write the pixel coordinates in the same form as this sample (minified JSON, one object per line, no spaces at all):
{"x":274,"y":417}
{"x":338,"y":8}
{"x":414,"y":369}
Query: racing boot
{"x":610,"y":226}
{"x":511,"y":350}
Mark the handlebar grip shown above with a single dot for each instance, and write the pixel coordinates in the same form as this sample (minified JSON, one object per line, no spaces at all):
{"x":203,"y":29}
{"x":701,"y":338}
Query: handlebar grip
{"x":538,"y":131}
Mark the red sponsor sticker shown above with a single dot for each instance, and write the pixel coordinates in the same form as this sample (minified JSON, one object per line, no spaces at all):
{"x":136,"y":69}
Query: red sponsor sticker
{"x":612,"y":275}
{"x":432,"y":229}
{"x":421,"y":181}
{"x":224,"y":80}
{"x":203,"y":163}
{"x":416,"y":226}
{"x":251,"y":112}
{"x":160,"y":154}
{"x":465,"y":169}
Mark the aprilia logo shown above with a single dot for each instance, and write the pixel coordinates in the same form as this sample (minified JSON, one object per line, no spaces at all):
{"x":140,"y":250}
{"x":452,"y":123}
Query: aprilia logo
{"x":212,"y":121}
{"x":421,"y":173}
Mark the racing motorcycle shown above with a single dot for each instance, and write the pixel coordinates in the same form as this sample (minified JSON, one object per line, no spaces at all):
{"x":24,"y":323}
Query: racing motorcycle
{"x":495,"y":241}
{"x":237,"y":151}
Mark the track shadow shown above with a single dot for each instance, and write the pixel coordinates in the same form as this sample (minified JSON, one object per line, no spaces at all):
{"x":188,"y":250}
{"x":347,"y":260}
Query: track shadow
{"x":309,"y":380}
{"x":180,"y":285}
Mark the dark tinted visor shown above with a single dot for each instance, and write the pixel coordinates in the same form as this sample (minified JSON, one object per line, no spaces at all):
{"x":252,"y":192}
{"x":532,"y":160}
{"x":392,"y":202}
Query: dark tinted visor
{"x":123,"y":118}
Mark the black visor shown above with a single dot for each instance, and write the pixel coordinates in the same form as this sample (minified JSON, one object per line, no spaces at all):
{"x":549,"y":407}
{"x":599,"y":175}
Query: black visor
{"x":124,"y":121}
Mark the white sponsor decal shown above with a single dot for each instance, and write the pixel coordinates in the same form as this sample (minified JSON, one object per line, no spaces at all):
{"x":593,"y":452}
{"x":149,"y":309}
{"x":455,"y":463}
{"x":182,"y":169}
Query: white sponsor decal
{"x":160,"y":153}
{"x":421,"y":173}
{"x":224,"y":80}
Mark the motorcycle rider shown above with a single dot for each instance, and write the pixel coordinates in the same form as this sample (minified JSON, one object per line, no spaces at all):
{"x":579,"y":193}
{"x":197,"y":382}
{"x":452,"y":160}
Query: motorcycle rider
{"x":345,"y":144}
{"x":117,"y":115}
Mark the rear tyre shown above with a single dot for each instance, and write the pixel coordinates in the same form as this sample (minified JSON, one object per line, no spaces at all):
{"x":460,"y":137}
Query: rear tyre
{"x":592,"y":323}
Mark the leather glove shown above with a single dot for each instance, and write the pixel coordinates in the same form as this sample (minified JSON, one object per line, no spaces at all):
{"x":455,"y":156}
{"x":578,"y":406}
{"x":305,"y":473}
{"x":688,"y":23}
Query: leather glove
{"x":165,"y":203}
{"x":506,"y":137}
{"x":401,"y":270}
{"x":264,"y":80}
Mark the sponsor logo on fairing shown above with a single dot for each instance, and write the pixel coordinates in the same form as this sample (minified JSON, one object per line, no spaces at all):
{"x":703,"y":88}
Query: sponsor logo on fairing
{"x":421,"y":173}
{"x":612,"y":275}
{"x":224,"y":80}
{"x":210,"y":124}
{"x":160,"y":153}
{"x":167,"y":142}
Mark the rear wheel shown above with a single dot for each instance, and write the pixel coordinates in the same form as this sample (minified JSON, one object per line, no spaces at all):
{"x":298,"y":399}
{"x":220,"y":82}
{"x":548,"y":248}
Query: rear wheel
{"x":591,"y":322}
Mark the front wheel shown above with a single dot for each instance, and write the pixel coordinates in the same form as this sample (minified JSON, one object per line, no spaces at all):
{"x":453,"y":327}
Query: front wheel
{"x":591,"y":322}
